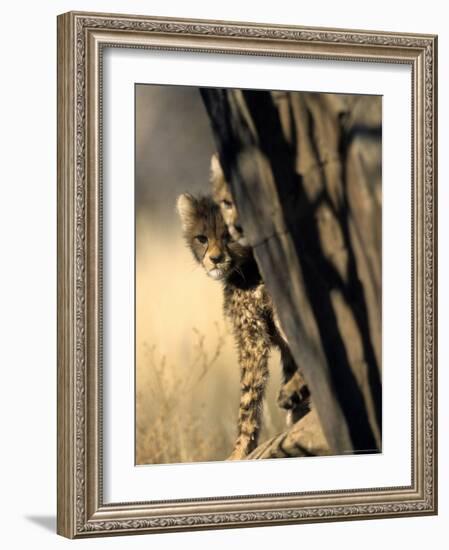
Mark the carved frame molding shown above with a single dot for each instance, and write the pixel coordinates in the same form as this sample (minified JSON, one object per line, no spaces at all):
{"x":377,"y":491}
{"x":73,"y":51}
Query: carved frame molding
{"x":81,"y":39}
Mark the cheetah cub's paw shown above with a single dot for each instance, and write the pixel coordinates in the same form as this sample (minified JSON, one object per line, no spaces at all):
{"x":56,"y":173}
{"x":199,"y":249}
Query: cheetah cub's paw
{"x":294,"y":396}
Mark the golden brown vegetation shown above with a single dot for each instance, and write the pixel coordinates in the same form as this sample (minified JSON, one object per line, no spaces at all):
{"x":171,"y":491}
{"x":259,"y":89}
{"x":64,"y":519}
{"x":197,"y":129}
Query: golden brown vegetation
{"x":187,"y":374}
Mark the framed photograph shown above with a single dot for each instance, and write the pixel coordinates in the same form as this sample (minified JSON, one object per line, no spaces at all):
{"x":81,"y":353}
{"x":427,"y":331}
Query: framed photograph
{"x":246,"y":274}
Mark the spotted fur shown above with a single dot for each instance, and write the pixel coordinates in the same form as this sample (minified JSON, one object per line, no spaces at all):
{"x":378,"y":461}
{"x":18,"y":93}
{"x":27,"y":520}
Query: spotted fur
{"x":248,"y":306}
{"x":222,"y":196}
{"x":294,"y":394}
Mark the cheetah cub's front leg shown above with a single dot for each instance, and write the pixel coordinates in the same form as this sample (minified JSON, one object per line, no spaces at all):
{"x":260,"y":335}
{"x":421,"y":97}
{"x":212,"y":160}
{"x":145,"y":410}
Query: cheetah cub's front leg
{"x":253,"y":351}
{"x":294,"y":395}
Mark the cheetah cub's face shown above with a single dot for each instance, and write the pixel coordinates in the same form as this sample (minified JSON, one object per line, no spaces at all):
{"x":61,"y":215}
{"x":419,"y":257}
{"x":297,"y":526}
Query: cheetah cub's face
{"x":208,"y":237}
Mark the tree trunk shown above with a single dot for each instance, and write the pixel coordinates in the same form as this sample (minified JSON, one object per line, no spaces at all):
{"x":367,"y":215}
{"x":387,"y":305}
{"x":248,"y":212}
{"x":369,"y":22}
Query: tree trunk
{"x":304,"y":170}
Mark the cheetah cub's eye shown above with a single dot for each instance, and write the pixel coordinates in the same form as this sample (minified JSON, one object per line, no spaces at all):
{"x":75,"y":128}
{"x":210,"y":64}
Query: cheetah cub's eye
{"x":226,"y":203}
{"x":201,"y":239}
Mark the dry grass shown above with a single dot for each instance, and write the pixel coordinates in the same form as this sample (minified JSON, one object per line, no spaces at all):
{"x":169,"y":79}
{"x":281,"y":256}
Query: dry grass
{"x":187,"y":375}
{"x":179,"y":430}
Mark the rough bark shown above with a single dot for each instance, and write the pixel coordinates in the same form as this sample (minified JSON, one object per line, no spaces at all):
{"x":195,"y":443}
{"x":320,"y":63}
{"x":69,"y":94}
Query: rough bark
{"x":304,"y":438}
{"x":304,"y":170}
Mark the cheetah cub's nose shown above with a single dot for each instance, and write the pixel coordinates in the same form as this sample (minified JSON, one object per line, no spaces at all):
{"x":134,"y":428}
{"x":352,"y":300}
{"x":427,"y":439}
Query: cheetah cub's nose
{"x":217,"y":259}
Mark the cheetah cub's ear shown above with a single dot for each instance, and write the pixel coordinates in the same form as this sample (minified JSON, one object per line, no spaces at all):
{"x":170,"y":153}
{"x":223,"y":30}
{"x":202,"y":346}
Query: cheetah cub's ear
{"x":216,"y":175}
{"x":186,"y":208}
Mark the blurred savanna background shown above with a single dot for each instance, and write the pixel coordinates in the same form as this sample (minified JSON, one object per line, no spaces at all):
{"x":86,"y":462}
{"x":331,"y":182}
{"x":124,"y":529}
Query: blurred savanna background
{"x":187,"y":375}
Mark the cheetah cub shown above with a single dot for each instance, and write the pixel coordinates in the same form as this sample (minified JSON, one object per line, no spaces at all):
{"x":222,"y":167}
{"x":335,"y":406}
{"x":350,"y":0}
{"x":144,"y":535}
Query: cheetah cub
{"x":246,"y":304}
{"x":293,"y":395}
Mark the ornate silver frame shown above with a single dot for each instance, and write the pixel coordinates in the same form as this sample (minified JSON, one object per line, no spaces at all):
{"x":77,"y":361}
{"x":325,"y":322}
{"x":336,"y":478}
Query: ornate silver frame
{"x":81,"y":38}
